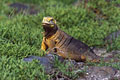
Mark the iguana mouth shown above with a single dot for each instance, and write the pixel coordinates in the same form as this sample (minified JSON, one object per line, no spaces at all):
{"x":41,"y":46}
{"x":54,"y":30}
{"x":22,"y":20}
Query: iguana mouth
{"x":45,"y":24}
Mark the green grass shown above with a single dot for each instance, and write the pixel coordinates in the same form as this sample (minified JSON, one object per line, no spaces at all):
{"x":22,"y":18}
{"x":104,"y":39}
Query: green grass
{"x":21,"y":35}
{"x":14,"y":69}
{"x":66,"y":69}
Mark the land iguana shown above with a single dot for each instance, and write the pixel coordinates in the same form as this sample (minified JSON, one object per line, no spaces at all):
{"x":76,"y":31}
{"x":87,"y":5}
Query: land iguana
{"x":64,"y":45}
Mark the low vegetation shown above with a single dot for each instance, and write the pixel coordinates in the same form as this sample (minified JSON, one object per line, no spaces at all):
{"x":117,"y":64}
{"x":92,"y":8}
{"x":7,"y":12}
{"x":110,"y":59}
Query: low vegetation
{"x":21,"y":34}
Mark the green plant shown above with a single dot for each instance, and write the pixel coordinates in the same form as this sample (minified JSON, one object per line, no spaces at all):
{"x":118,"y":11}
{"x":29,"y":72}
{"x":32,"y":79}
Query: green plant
{"x":21,"y":35}
{"x":67,"y":69}
{"x":15,"y":69}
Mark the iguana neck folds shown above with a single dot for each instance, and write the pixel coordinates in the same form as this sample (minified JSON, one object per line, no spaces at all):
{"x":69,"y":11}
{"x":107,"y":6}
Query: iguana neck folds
{"x":49,"y":31}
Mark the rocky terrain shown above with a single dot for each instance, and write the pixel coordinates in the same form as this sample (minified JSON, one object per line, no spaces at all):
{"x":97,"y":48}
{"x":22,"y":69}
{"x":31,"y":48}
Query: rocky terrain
{"x":90,"y":72}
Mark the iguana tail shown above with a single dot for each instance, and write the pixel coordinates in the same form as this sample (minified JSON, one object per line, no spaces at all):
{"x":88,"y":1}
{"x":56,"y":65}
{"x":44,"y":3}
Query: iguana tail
{"x":92,"y":57}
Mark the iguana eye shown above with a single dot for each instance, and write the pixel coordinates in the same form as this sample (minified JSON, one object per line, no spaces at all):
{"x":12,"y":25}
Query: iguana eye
{"x":51,"y":20}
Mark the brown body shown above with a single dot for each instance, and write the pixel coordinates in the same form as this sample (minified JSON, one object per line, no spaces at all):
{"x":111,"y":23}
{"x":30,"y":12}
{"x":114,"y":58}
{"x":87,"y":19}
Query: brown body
{"x":68,"y":47}
{"x":57,"y":41}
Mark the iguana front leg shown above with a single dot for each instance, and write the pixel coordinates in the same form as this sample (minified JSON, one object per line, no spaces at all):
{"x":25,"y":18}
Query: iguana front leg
{"x":57,"y":51}
{"x":44,"y":46}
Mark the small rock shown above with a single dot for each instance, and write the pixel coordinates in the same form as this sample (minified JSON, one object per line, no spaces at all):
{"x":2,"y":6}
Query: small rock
{"x":52,"y":57}
{"x":19,"y":6}
{"x":117,"y":75}
{"x":109,"y":39}
{"x":103,"y":52}
{"x":80,"y":79}
{"x":100,"y":73}
{"x":43,"y":60}
{"x":99,"y":51}
{"x":47,"y":61}
{"x":118,"y":5}
{"x":61,"y":79}
{"x":23,"y":8}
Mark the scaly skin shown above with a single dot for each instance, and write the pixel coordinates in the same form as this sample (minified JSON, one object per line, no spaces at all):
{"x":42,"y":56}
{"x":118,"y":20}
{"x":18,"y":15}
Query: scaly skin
{"x":64,"y":45}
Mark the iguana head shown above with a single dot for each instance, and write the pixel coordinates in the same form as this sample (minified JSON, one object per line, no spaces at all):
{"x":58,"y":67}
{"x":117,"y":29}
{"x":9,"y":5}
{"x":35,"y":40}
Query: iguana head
{"x":49,"y":25}
{"x":48,"y":21}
